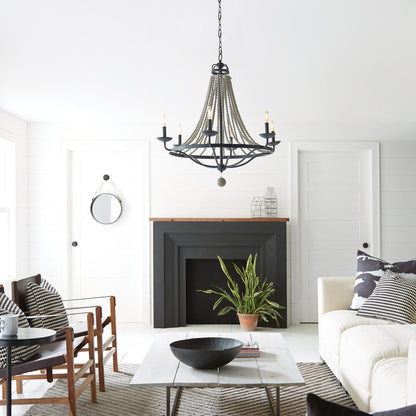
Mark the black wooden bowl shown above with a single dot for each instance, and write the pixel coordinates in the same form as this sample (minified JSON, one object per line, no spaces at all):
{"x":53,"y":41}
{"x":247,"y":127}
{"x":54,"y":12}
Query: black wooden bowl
{"x":206,"y":353}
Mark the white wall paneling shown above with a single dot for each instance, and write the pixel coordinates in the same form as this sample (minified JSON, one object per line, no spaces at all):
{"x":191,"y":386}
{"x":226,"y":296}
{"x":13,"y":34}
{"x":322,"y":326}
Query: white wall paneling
{"x":14,"y":130}
{"x":179,"y":188}
{"x":398,"y":200}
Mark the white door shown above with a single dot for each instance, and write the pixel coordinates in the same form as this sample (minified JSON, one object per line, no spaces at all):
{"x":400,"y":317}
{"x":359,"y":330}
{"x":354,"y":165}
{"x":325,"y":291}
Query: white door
{"x":336,"y":217}
{"x":110,"y":258}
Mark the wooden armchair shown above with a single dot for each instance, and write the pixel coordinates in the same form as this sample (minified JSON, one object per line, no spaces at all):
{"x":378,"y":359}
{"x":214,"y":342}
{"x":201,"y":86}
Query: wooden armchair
{"x":54,"y":361}
{"x":106,"y":347}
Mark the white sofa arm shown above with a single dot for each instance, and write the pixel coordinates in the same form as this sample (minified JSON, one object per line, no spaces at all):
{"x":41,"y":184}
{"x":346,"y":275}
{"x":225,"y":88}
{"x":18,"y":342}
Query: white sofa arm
{"x":334,"y":293}
{"x":411,"y":373}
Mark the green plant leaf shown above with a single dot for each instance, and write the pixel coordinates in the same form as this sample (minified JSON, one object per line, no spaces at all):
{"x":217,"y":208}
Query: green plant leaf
{"x":253,"y":296}
{"x":225,"y":310}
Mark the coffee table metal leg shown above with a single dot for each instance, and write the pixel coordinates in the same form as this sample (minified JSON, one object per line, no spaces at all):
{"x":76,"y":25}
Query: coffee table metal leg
{"x":269,"y":398}
{"x":167,"y":401}
{"x":277,"y":401}
{"x":169,"y":411}
{"x":9,"y":381}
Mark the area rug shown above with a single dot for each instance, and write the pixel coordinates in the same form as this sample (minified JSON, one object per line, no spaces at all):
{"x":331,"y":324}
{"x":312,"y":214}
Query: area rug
{"x":122,"y":399}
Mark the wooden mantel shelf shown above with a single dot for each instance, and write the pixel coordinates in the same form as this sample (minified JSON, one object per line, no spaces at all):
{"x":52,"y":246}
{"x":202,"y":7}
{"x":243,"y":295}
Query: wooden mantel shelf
{"x":220,"y":219}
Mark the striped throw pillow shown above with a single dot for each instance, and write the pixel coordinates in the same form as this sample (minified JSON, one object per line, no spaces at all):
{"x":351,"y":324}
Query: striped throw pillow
{"x":40,"y":301}
{"x":46,"y":285}
{"x":394,"y":299}
{"x":19,"y":354}
{"x":369,"y":271}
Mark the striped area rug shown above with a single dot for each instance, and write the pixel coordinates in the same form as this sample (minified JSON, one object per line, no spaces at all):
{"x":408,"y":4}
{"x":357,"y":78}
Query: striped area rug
{"x":122,"y":399}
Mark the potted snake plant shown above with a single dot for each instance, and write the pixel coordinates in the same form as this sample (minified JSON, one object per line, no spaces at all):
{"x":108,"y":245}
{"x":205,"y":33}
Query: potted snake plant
{"x":252,"y":302}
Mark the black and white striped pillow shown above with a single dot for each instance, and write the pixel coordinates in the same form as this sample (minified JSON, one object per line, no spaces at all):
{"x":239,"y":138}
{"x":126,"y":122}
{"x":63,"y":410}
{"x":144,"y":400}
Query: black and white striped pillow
{"x":394,"y":299}
{"x":19,"y":354}
{"x":40,"y":301}
{"x":369,"y":271}
{"x":46,"y":285}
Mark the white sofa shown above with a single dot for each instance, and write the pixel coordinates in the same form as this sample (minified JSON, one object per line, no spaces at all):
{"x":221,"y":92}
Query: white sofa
{"x":375,"y":360}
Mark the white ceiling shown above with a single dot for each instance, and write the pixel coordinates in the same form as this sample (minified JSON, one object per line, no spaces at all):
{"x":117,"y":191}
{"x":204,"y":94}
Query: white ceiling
{"x":347,"y":61}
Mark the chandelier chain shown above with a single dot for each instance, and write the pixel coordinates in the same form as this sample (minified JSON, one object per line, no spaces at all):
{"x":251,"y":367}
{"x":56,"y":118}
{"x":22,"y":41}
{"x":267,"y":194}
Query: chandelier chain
{"x":219,"y":32}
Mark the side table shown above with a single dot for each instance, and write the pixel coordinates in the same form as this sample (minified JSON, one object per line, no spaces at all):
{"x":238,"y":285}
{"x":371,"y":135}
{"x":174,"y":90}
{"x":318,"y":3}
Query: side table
{"x":25,"y":336}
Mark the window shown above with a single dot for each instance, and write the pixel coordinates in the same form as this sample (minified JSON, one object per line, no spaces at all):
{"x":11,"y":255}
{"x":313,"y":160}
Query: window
{"x":7,"y":210}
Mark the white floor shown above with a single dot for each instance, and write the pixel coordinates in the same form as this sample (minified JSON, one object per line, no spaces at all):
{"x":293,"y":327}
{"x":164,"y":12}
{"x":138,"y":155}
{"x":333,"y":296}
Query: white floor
{"x":134,"y":340}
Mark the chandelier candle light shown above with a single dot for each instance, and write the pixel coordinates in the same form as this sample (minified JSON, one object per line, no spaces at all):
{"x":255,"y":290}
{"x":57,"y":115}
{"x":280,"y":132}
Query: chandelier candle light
{"x":230,"y":146}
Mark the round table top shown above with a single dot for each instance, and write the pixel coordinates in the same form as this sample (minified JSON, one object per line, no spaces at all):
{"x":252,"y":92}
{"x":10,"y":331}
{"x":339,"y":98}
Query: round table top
{"x":28,"y":336}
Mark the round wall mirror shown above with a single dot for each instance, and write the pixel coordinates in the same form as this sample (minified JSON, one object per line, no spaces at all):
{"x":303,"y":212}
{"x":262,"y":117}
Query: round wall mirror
{"x":106,"y":208}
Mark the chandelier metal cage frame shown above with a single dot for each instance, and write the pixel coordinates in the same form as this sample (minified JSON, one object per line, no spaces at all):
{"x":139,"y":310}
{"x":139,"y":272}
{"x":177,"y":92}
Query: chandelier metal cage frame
{"x":230,"y":145}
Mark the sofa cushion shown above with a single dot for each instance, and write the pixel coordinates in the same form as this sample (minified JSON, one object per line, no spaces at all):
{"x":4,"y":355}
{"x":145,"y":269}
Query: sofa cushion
{"x":332,"y":325}
{"x":369,"y":271}
{"x":19,"y":354}
{"x":43,"y":302}
{"x":389,"y":385}
{"x":316,"y":406}
{"x":411,"y":373}
{"x":362,"y":348}
{"x":394,"y":299}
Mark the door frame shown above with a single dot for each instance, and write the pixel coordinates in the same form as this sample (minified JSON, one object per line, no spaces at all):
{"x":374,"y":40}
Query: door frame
{"x":68,"y":146}
{"x":373,"y":149}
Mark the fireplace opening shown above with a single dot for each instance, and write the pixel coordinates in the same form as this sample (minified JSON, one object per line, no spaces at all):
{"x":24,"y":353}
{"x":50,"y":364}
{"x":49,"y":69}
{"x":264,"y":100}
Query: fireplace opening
{"x":202,"y":274}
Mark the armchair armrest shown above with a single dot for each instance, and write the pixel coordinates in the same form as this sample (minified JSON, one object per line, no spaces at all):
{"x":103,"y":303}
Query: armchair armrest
{"x":89,"y":298}
{"x":334,"y":293}
{"x":59,"y":310}
{"x":411,"y":373}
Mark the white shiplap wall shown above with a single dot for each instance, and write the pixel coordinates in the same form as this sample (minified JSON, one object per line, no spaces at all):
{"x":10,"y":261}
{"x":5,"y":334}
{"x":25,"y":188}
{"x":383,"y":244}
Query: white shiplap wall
{"x":398,"y":200}
{"x":44,"y":209}
{"x":15,"y":130}
{"x":178,"y":188}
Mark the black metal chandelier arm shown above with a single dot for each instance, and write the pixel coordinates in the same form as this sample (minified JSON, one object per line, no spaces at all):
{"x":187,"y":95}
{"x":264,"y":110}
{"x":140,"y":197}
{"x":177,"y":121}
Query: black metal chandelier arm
{"x":253,"y":147}
{"x":194,"y":159}
{"x":241,"y":162}
{"x":165,"y":139}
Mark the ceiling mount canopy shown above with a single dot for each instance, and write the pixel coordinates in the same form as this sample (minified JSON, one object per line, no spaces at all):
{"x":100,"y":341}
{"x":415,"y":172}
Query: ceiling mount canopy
{"x":229,"y":145}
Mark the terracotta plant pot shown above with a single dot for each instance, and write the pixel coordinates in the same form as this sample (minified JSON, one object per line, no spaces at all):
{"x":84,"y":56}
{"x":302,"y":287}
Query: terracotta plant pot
{"x":248,"y":322}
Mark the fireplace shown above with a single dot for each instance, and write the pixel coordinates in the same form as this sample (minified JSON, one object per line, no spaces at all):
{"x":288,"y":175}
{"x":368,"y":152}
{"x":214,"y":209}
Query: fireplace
{"x":185,"y":259}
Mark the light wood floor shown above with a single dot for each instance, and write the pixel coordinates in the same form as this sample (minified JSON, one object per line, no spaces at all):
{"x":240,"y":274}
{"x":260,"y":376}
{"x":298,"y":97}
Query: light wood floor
{"x":134,"y":340}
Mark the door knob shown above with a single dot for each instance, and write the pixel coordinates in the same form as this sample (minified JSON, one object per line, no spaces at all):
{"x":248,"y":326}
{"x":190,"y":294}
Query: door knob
{"x":365,"y":245}
{"x":74,"y":244}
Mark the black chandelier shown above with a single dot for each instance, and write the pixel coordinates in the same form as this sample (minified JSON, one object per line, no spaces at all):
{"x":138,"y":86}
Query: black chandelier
{"x":230,"y":145}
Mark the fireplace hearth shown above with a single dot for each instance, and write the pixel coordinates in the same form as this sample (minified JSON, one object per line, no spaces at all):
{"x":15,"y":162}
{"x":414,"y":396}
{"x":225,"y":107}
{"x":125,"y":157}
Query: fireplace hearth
{"x":185,"y":259}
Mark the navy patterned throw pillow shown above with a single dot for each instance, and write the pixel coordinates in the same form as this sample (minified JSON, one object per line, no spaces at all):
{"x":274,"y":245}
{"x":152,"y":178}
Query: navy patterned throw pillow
{"x":369,"y":271}
{"x":316,"y":406}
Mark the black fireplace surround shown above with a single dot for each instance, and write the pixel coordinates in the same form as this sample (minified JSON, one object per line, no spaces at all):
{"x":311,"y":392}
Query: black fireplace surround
{"x":179,"y":242}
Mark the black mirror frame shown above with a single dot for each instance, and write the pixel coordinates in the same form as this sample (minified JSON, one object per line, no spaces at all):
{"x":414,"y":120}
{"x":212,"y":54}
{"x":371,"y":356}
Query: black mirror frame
{"x":92,"y":204}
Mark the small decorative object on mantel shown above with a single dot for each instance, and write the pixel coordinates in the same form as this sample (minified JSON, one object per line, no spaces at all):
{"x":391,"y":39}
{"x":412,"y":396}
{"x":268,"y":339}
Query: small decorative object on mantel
{"x":252,"y":302}
{"x":257,"y":207}
{"x":220,"y":139}
{"x":270,"y":202}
